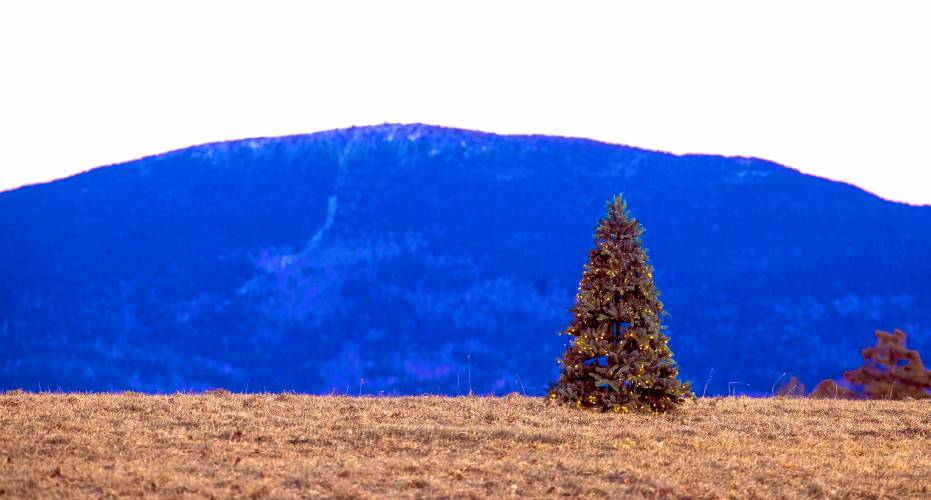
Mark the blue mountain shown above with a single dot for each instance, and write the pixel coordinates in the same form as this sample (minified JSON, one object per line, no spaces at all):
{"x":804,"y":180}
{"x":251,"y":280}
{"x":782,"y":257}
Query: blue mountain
{"x":423,"y":259}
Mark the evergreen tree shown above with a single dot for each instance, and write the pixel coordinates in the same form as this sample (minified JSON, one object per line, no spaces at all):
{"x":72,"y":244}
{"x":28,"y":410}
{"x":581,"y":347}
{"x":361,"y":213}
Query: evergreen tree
{"x":619,"y":358}
{"x":890,"y":370}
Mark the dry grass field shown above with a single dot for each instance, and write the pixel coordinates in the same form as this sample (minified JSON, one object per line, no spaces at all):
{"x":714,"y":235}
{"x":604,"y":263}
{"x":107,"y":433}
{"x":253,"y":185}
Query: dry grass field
{"x":280,"y":446}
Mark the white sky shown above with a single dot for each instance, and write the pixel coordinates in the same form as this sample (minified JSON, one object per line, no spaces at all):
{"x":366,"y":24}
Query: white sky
{"x":840,"y":89}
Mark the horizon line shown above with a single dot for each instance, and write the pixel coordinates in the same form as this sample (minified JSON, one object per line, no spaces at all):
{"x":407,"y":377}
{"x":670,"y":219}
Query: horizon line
{"x":460,"y":129}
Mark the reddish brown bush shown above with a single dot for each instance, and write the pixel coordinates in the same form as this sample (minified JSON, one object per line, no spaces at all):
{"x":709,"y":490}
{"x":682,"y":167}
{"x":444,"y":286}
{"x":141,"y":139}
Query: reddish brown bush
{"x":889,"y":371}
{"x":792,"y":389}
{"x":827,"y":388}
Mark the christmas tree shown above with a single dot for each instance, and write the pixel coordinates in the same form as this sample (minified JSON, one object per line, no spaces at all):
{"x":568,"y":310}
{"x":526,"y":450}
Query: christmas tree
{"x":619,"y":358}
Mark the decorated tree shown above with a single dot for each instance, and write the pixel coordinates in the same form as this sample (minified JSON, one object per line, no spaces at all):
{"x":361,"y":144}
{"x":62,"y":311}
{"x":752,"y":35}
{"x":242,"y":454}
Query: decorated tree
{"x":618,"y":358}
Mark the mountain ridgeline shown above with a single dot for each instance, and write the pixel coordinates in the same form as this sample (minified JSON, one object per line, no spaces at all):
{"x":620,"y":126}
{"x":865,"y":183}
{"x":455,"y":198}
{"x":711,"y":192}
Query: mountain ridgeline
{"x":402,"y":259}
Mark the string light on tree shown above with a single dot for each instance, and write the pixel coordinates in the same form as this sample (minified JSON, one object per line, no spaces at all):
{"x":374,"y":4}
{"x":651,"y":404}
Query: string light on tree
{"x":619,"y":359}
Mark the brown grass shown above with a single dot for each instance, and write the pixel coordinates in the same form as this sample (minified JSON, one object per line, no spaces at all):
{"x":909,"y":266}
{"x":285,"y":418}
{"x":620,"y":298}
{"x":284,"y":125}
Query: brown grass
{"x":224,"y":445}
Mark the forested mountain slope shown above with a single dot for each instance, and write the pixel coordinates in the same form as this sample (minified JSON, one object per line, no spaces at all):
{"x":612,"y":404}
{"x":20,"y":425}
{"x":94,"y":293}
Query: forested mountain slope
{"x":425,"y":259}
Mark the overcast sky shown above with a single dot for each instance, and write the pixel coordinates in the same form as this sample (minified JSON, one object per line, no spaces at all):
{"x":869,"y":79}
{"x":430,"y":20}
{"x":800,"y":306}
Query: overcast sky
{"x":839,"y":89}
